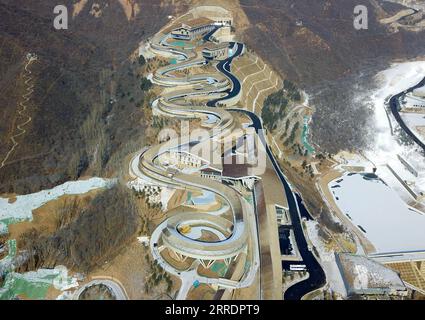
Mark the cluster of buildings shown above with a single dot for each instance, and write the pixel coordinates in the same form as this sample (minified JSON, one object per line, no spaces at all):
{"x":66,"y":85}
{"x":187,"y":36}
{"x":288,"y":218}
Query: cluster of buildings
{"x":240,"y":179}
{"x":191,"y":29}
{"x":196,"y":27}
{"x":238,"y":164}
{"x":219,"y":51}
{"x":212,"y":173}
{"x":218,"y":27}
{"x":182,"y":159}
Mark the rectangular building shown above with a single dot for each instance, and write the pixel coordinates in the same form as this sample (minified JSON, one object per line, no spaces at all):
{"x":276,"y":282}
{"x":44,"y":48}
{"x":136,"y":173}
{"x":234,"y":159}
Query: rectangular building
{"x":193,"y":28}
{"x":216,"y":51}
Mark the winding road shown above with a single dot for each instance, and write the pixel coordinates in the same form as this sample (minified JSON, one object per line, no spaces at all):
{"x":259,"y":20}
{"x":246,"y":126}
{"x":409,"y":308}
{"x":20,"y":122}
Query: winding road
{"x":317,"y":277}
{"x":216,"y":87}
{"x":220,"y":87}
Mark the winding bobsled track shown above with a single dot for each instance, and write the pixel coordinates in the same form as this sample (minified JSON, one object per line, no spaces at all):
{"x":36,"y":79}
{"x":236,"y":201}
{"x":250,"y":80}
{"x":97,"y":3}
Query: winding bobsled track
{"x":223,"y":87}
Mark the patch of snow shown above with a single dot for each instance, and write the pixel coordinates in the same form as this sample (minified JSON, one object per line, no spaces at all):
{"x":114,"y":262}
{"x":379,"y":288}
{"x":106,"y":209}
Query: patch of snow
{"x":414,"y":120}
{"x":166,"y":194}
{"x":327,"y":260}
{"x":63,"y":281}
{"x":361,"y":280}
{"x":57,"y":277}
{"x":143,"y":240}
{"x":306,"y":98}
{"x":347,"y":159}
{"x":151,"y":190}
{"x":399,"y":77}
{"x":362,"y":274}
{"x":66,"y":295}
{"x":388,"y":177}
{"x":144,"y":50}
{"x":22,"y":208}
{"x":419,"y":92}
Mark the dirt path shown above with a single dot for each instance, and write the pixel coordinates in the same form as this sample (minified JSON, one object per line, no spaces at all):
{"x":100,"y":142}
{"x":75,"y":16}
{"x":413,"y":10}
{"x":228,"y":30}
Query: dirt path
{"x":23,"y":108}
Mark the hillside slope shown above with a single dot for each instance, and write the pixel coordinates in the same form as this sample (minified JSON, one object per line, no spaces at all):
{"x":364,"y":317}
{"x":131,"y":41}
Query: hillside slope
{"x":73,"y":127}
{"x":315,"y":44}
{"x":75,"y":130}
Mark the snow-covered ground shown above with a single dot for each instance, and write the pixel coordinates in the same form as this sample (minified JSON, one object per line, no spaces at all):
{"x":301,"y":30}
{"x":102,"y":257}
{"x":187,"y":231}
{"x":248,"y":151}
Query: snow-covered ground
{"x":386,"y":175}
{"x":390,"y":224}
{"x":22,"y":208}
{"x":419,"y":92}
{"x":327,"y":260}
{"x":399,"y":77}
{"x":166,"y":194}
{"x":6,"y":263}
{"x":416,"y":183}
{"x":347,"y":159}
{"x":362,"y":274}
{"x":414,"y":120}
{"x":34,"y":284}
{"x":385,"y":150}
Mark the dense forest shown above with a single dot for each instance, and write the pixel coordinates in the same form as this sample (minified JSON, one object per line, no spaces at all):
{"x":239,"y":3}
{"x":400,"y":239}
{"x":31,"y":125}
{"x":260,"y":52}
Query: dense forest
{"x":276,"y":104}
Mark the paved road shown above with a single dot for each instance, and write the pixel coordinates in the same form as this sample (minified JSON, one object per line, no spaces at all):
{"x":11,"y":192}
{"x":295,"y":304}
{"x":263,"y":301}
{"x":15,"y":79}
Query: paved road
{"x":209,"y":34}
{"x":317,"y":277}
{"x":143,"y":166}
{"x":394,"y":105}
{"x":224,"y":67}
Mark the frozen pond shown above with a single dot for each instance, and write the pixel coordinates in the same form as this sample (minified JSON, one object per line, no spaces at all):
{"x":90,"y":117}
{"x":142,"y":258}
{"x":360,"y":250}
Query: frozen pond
{"x":379,"y":213}
{"x":22,"y":208}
